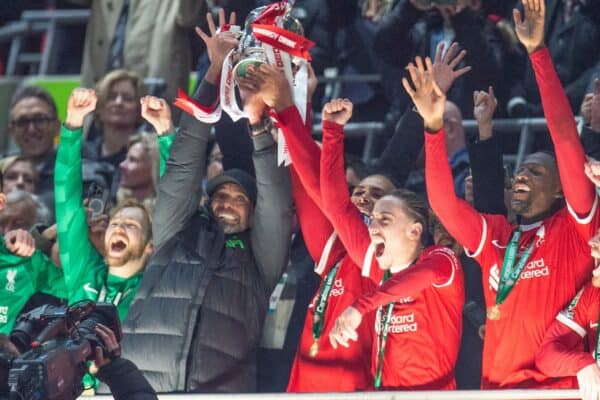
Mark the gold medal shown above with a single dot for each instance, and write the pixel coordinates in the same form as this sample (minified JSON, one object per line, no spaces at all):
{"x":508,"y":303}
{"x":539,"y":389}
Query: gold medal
{"x":314,"y":349}
{"x":493,"y":312}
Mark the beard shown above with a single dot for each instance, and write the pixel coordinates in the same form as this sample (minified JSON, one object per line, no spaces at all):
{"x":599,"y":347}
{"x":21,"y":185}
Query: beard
{"x":229,"y":228}
{"x":122,"y":258}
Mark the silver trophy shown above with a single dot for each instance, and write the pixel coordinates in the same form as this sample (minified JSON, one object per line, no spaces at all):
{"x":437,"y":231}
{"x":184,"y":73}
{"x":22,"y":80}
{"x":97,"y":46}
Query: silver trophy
{"x":250,"y":50}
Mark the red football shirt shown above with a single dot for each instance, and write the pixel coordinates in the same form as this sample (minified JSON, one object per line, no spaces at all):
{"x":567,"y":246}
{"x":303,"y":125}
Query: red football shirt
{"x":558,"y":265}
{"x":425,"y":327}
{"x":582,"y":315}
{"x":342,"y":369}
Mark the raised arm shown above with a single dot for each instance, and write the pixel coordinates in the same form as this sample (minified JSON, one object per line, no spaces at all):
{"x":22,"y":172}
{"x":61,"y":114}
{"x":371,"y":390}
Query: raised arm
{"x":273,"y":88}
{"x":579,"y":192}
{"x":179,"y":190}
{"x":485,"y":157}
{"x":80,"y":261}
{"x":157,"y":112}
{"x":452,"y":211}
{"x":343,"y":215}
{"x":404,"y":147}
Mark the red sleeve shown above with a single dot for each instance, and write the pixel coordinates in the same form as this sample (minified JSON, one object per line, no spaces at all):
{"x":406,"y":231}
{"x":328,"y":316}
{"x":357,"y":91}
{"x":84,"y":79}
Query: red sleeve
{"x":579,"y":191}
{"x":454,"y":213}
{"x":562,"y":352}
{"x":316,"y":229}
{"x":303,"y":150}
{"x":436,"y":269}
{"x":342,"y":214}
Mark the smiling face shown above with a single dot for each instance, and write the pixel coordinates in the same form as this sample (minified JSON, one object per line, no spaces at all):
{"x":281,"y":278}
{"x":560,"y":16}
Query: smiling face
{"x":126,"y":237}
{"x":393,"y":231}
{"x":368,"y":191}
{"x":536,"y":186}
{"x":33,"y":126}
{"x":121,"y":106}
{"x":232,"y":208}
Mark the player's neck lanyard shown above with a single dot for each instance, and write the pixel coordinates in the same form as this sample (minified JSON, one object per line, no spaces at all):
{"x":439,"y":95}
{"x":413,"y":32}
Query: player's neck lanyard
{"x":320,"y":308}
{"x":382,"y":335}
{"x":510,"y":273}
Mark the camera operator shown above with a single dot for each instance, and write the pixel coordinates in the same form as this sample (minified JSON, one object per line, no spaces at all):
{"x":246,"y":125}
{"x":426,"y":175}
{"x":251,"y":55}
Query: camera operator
{"x":124,"y":379}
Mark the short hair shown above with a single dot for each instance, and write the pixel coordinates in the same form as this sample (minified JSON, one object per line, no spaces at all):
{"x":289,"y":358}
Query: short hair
{"x":104,"y":85}
{"x":413,"y":205}
{"x":132,"y":203}
{"x":26,"y":92}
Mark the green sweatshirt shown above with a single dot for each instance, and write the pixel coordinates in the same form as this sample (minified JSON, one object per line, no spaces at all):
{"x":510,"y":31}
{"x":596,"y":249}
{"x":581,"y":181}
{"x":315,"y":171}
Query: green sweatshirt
{"x":20,"y":278}
{"x":85,"y":272}
{"x":164,"y":146}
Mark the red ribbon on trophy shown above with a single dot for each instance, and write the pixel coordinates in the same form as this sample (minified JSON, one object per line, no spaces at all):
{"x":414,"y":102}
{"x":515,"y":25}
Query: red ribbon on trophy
{"x":283,"y":40}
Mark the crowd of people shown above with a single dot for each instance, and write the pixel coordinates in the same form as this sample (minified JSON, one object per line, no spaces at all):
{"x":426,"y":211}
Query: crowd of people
{"x":431,"y":268}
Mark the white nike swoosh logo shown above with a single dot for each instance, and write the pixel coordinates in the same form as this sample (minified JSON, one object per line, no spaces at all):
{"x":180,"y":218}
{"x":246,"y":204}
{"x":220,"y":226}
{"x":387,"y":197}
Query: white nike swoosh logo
{"x":88,"y":288}
{"x":498,"y":245}
{"x":593,"y":325}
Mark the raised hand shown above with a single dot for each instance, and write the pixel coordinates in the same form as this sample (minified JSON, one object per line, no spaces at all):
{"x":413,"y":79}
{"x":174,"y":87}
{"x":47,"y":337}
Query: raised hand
{"x":592,"y":170}
{"x":589,"y":382}
{"x":485,"y":104}
{"x":444,"y":67}
{"x":530,"y":29}
{"x":345,"y":328}
{"x":157,"y":112}
{"x":97,"y":230}
{"x":428,"y":98}
{"x":81,"y":102}
{"x":20,"y":243}
{"x":272,"y":85}
{"x":338,"y":111}
{"x":218,"y":44}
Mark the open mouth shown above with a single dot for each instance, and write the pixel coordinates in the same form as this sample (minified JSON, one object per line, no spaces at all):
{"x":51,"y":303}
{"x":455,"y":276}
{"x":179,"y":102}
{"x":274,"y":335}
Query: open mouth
{"x":379,"y":249}
{"x":227,"y":218}
{"x":118,"y":245}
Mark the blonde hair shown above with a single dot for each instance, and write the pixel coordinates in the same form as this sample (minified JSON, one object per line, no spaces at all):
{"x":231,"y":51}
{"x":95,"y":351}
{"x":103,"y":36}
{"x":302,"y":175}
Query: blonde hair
{"x":149,"y":144}
{"x":132,"y":203}
{"x":7,"y":162}
{"x":104,"y":85}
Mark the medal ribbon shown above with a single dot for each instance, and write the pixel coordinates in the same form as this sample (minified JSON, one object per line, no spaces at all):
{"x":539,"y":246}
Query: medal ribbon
{"x":510,"y":273}
{"x":382,"y":336}
{"x":322,"y":300}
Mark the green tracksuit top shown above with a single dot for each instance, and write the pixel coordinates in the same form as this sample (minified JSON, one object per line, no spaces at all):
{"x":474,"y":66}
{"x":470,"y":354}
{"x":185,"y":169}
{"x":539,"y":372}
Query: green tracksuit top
{"x":85,"y":272}
{"x":20,"y":278}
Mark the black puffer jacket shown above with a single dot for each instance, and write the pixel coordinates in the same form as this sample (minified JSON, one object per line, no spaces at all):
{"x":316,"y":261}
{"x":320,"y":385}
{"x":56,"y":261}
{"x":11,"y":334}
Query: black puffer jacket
{"x":200,"y":309}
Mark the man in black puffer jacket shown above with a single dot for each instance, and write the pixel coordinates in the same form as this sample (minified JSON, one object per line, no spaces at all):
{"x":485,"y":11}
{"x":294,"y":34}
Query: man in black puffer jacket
{"x":197,"y":317}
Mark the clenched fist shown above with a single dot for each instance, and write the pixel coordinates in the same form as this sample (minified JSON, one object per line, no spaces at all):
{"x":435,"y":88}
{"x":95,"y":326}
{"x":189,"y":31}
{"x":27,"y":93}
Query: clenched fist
{"x":81,"y":102}
{"x":157,"y":112}
{"x":20,"y":243}
{"x":338,"y":111}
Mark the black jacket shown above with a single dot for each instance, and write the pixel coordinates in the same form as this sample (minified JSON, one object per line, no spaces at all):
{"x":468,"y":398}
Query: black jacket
{"x":125,"y":381}
{"x":197,"y":317}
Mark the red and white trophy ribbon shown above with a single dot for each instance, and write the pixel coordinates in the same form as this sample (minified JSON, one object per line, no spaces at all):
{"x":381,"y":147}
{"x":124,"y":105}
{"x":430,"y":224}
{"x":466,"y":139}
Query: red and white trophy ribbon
{"x":208,"y":115}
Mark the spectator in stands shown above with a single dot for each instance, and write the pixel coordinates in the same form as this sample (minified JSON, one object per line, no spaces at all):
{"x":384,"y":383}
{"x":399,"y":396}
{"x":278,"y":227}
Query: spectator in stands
{"x":117,"y":117}
{"x":33,"y":124}
{"x":412,"y":29}
{"x":570,"y":347}
{"x":23,"y":210}
{"x":551,"y":242}
{"x":125,"y":34}
{"x":139,"y":170}
{"x":573,"y":39}
{"x":19,"y":173}
{"x":208,"y":341}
